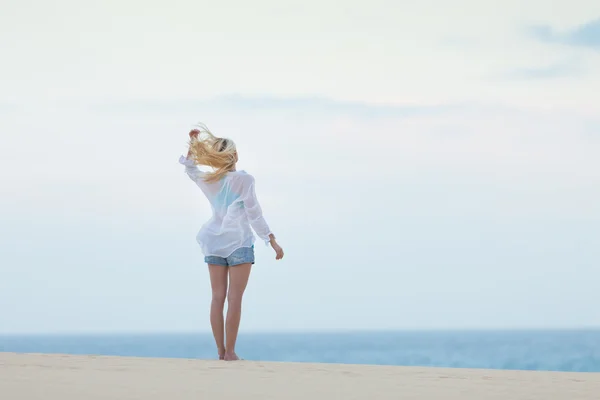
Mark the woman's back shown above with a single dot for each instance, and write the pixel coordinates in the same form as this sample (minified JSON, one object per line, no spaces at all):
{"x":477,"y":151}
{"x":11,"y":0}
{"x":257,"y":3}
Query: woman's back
{"x":235,"y":208}
{"x":225,"y":192}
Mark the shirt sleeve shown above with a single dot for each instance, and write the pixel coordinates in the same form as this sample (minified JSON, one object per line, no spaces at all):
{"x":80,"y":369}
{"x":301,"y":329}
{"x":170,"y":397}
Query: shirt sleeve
{"x":191,"y":169}
{"x":254,"y":211}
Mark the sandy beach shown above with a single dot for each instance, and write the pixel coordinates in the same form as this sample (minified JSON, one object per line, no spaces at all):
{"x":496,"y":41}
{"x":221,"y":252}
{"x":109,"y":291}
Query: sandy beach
{"x":69,"y":377}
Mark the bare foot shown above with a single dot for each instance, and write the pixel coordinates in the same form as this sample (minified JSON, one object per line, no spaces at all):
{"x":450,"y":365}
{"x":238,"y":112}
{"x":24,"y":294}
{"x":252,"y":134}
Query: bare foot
{"x":231,"y":357}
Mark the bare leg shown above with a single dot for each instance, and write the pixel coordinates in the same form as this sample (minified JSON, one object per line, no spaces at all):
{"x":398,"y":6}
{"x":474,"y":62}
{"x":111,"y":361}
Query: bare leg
{"x":238,"y":279}
{"x":218,"y":283}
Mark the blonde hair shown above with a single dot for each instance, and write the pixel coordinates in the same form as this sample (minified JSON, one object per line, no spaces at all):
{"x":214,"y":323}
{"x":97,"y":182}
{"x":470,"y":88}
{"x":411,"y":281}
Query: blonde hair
{"x":218,"y":153}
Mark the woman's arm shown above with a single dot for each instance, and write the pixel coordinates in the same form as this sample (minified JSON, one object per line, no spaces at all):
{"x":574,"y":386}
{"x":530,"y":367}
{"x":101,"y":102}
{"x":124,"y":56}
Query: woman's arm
{"x":256,"y":218}
{"x":191,"y":169}
{"x":190,"y":166}
{"x":254,"y":211}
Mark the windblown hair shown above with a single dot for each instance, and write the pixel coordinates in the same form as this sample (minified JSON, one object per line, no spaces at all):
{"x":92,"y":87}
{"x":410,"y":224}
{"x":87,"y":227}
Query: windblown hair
{"x":217,"y":153}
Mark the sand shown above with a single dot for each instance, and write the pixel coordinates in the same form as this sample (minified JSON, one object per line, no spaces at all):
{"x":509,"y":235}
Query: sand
{"x":69,"y":377}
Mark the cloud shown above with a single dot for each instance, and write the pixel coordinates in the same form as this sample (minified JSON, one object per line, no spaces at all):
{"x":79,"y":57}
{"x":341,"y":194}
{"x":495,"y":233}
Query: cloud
{"x":6,"y":108}
{"x":562,"y":69}
{"x":592,"y":131}
{"x":586,"y":35}
{"x":312,"y":105}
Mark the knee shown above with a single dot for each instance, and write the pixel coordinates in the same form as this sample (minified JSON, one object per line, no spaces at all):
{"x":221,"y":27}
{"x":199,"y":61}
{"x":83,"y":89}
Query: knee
{"x":219,"y":297}
{"x":234,"y":300}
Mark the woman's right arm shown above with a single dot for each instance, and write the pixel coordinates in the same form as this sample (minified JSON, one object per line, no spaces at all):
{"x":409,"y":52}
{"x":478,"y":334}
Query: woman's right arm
{"x":256,"y":218}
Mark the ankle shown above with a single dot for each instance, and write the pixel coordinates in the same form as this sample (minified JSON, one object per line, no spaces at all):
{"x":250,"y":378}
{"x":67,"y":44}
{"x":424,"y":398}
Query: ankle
{"x":231,"y":356}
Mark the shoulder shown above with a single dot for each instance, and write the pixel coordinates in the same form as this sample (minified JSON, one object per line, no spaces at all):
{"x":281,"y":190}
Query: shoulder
{"x":242,"y":178}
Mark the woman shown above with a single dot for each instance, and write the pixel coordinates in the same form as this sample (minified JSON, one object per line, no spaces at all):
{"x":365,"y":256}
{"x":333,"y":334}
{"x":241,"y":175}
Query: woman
{"x":226,"y":239}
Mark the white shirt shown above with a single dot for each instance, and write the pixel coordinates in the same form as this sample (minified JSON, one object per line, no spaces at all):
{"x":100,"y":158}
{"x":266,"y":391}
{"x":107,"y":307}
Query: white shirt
{"x":235,"y":208}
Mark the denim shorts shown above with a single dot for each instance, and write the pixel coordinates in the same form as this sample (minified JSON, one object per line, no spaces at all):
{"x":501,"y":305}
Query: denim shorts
{"x":243,"y":255}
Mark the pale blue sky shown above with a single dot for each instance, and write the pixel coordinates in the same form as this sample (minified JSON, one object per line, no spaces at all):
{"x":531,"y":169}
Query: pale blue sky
{"x":584,"y":35}
{"x":425,"y":166}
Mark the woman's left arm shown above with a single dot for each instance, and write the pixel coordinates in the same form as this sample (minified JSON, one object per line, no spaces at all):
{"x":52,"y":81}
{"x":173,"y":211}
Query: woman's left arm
{"x":191,"y":169}
{"x":254,"y":211}
{"x":190,"y":166}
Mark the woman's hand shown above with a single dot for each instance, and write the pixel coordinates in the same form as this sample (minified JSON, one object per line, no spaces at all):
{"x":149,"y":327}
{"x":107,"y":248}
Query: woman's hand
{"x":276,"y":247}
{"x":193,"y":135}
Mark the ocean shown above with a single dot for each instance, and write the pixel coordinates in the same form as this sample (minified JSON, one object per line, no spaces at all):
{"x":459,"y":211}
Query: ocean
{"x":577,"y":351}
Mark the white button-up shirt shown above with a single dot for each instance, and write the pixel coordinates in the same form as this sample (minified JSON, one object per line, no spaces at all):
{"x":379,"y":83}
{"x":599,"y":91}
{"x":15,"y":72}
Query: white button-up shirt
{"x":235,"y":209}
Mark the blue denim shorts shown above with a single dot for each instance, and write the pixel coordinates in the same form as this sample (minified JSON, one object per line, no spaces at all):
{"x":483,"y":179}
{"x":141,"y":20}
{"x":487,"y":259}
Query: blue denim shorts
{"x":243,"y":255}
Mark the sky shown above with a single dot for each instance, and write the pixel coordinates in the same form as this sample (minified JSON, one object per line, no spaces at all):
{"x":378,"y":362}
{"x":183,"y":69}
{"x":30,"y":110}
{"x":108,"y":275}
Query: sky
{"x":425,"y":165}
